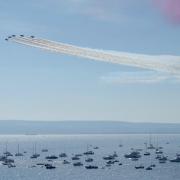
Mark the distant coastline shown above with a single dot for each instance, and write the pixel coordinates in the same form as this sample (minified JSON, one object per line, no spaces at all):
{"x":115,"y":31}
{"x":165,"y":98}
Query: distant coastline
{"x":86,"y":127}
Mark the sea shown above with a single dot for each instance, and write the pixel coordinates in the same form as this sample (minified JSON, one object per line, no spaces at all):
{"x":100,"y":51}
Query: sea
{"x":101,"y":144}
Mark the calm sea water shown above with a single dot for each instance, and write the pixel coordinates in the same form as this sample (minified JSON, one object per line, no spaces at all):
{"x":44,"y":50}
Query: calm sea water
{"x":73,"y":144}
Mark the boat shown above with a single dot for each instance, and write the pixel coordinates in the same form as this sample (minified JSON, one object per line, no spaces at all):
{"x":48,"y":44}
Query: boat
{"x":7,"y":153}
{"x":66,"y":162}
{"x":8,"y":160}
{"x":152,"y":165}
{"x":158,"y":156}
{"x":163,"y":158}
{"x":158,"y":151}
{"x":115,"y":161}
{"x":75,"y":158}
{"x":110,"y":162}
{"x":162,"y":161}
{"x":88,"y":153}
{"x":78,"y":155}
{"x":134,"y":154}
{"x":139,"y":167}
{"x":151,"y":146}
{"x":44,"y":150}
{"x":51,"y":157}
{"x":63,"y":155}
{"x":18,"y":153}
{"x":149,"y":168}
{"x":115,"y":154}
{"x":2,"y":158}
{"x":177,"y":159}
{"x":34,"y":156}
{"x":10,"y":165}
{"x":91,"y":167}
{"x":147,"y":154}
{"x":96,"y":147}
{"x":134,"y":159}
{"x":110,"y":157}
{"x":40,"y":164}
{"x":77,"y":164}
{"x":49,"y":166}
{"x":89,"y":160}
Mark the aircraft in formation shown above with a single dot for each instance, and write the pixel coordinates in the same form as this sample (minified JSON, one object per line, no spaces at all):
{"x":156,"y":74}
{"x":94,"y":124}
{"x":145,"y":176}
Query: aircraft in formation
{"x":12,"y":36}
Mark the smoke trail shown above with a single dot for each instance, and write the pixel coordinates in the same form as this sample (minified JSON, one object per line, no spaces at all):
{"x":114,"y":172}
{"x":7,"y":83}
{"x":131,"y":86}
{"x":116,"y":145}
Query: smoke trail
{"x":163,"y":63}
{"x":171,"y":9}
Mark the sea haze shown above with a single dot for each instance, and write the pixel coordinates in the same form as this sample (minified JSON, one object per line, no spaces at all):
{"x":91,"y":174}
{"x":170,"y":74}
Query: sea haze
{"x":85,"y":127}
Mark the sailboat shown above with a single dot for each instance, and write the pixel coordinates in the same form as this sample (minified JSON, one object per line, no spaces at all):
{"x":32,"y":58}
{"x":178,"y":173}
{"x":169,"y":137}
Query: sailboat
{"x":18,"y":153}
{"x":35,"y":155}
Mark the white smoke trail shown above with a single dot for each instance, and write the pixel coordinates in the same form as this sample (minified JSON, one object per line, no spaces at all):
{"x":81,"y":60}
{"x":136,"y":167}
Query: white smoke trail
{"x":162,"y":63}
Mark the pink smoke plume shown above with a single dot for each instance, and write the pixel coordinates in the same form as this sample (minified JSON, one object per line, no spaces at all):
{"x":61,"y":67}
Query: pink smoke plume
{"x":171,"y":8}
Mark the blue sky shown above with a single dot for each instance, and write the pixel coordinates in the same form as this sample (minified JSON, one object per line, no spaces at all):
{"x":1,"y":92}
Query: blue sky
{"x":38,"y":85}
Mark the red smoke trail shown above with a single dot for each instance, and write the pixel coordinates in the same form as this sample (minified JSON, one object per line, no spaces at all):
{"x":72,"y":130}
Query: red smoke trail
{"x":171,"y":8}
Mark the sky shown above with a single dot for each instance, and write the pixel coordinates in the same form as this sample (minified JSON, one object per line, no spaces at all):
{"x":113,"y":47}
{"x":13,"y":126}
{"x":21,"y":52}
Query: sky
{"x":40,"y":85}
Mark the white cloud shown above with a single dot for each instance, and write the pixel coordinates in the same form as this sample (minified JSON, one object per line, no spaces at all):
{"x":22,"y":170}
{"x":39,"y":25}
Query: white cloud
{"x":139,"y":77}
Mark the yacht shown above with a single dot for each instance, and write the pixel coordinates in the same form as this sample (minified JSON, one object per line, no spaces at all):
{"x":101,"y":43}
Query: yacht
{"x":177,"y":159}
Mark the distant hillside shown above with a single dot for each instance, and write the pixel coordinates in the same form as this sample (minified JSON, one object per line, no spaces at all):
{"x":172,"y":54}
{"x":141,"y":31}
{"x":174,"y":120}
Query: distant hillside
{"x":85,"y":127}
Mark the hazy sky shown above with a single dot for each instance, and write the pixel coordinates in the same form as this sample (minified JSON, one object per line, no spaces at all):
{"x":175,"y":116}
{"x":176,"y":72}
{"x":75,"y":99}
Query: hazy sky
{"x":39,"y":85}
